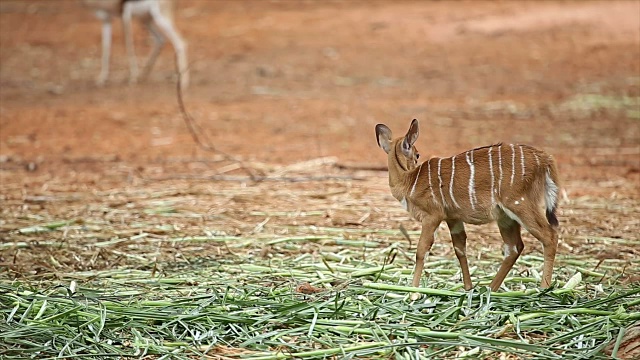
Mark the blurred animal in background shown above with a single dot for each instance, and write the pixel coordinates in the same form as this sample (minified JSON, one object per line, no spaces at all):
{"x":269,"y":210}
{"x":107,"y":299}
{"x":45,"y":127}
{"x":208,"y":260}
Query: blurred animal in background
{"x":157,"y":17}
{"x":514,"y":185}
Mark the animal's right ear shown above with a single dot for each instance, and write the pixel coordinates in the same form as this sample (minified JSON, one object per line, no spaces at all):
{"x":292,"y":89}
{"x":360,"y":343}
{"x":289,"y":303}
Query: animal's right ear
{"x":411,"y":137}
{"x":413,"y":133}
{"x":383,"y":135}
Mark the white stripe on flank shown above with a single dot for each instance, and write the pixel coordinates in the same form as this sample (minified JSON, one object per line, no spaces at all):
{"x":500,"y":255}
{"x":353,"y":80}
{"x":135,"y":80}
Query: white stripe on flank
{"x":413,"y":188}
{"x":433,"y":195}
{"x":444,"y":201}
{"x":513,"y":163}
{"x":453,"y":169}
{"x":537,"y":160}
{"x":500,"y":165}
{"x":475,"y":198}
{"x":493,"y":199}
{"x":522,"y":159}
{"x":472,"y":174}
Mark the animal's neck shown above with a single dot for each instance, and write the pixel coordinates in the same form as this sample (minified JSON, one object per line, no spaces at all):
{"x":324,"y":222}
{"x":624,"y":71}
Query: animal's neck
{"x":399,"y":178}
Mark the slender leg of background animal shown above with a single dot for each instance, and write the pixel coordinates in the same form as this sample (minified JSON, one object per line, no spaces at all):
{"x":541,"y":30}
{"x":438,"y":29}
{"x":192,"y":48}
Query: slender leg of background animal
{"x":459,"y":239}
{"x":424,"y":246}
{"x":128,"y":39}
{"x":179,"y":46}
{"x":106,"y":52}
{"x":158,"y":43}
{"x":534,"y":219}
{"x":513,"y":246}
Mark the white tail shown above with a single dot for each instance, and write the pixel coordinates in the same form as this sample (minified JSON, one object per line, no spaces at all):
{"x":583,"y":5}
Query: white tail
{"x":514,"y":185}
{"x":157,"y":17}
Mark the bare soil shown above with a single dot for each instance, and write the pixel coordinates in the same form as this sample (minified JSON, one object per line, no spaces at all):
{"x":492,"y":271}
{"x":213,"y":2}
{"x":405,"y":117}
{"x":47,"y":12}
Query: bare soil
{"x":294,"y":89}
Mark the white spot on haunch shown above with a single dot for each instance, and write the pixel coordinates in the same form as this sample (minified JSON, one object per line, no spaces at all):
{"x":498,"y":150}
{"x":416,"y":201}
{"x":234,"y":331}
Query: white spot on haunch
{"x":517,"y":202}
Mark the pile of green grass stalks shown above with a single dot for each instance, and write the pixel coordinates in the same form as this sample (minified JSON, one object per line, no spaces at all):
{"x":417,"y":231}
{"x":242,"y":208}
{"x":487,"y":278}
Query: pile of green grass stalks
{"x":308,"y":309}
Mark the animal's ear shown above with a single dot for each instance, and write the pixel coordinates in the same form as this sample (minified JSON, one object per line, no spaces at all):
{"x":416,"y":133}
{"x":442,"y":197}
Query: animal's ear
{"x":383,"y":136}
{"x":411,"y":137}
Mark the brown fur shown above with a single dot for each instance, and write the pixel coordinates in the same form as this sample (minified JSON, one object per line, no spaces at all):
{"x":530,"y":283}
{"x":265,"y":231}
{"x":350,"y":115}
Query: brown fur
{"x":523,"y":194}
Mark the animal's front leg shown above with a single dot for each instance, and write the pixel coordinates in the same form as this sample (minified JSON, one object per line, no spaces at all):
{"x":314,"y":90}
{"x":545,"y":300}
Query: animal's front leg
{"x":429,"y":226}
{"x":180,"y":47}
{"x":106,"y":52}
{"x":459,"y":239}
{"x":158,"y":42}
{"x":128,"y":38}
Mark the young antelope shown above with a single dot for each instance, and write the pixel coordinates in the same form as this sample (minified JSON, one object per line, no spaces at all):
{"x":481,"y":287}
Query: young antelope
{"x":514,"y":185}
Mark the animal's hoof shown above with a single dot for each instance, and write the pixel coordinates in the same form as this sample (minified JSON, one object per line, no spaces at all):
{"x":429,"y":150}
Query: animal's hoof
{"x":415,"y":296}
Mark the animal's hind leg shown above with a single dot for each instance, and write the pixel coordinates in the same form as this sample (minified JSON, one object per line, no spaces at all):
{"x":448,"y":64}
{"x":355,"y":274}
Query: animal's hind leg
{"x":534,"y":219}
{"x":179,"y":46}
{"x":513,"y":246}
{"x":128,"y":39}
{"x":158,"y":43}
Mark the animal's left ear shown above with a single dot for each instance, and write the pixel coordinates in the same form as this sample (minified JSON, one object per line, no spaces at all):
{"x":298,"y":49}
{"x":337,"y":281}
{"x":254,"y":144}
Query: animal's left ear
{"x":383,"y":135}
{"x":410,"y":138}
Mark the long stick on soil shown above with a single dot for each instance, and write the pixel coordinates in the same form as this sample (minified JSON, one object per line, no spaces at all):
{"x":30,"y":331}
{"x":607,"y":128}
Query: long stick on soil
{"x":198,"y":135}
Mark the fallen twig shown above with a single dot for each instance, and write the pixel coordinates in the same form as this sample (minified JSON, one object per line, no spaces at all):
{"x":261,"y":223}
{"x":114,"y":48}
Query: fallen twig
{"x":198,"y":135}
{"x":361,"y":166}
{"x":260,"y":178}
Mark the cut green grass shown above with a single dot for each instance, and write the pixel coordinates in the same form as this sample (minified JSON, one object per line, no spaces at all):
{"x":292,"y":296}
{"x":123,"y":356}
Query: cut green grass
{"x":186,"y":279}
{"x":255,"y":308}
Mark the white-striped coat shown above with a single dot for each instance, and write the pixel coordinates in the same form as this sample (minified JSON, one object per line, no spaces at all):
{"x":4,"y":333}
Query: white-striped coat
{"x":471,"y":185}
{"x":515,"y":185}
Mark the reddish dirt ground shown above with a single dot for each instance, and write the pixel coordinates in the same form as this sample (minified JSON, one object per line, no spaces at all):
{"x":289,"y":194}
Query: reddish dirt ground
{"x":278,"y":82}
